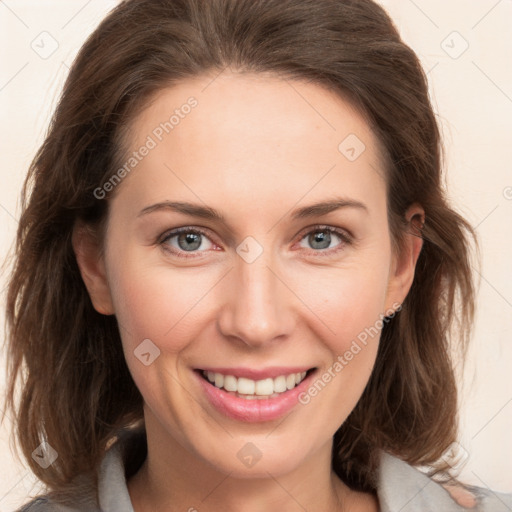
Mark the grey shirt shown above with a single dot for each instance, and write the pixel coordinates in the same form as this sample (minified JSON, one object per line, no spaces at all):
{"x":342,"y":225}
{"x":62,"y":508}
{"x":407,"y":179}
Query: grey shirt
{"x":401,"y":488}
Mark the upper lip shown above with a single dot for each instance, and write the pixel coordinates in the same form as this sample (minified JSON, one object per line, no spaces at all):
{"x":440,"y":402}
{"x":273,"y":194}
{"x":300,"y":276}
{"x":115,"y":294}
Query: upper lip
{"x":258,"y":374}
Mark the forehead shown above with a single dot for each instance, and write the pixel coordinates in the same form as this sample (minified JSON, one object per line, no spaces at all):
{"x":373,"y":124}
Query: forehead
{"x":258,"y":137}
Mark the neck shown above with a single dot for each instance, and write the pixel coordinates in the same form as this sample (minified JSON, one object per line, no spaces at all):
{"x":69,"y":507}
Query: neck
{"x":175,"y":478}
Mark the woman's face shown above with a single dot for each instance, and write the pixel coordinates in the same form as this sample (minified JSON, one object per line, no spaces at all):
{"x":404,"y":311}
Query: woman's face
{"x":262,"y":290}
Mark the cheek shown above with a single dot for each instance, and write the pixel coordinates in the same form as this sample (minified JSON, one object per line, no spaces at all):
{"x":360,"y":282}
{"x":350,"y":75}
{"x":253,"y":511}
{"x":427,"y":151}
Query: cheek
{"x":159,"y":302}
{"x":162,"y":305}
{"x":350,"y":319}
{"x":347,"y":302}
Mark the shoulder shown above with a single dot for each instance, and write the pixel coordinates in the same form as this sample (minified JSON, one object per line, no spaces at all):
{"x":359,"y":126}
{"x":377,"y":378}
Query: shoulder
{"x":405,"y":488}
{"x":477,"y":498}
{"x":36,"y":505}
{"x":45,"y":504}
{"x":81,"y":496}
{"x":110,"y":493}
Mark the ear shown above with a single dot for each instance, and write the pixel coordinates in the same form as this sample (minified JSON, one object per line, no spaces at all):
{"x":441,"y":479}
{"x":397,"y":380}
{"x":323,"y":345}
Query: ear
{"x":404,"y":263}
{"x":92,"y":267}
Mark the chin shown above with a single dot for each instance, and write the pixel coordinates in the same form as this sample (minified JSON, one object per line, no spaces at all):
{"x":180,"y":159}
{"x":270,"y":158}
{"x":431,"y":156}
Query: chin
{"x":246,"y":460}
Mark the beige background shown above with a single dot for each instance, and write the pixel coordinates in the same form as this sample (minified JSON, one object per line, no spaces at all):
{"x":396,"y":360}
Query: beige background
{"x":466,"y":49}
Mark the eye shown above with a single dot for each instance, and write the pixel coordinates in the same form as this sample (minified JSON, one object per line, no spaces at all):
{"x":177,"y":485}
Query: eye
{"x":183,"y":240}
{"x":321,"y":237}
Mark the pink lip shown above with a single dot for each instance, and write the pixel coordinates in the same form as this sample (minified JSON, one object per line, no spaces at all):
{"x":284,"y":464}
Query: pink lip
{"x":266,"y":373}
{"x":241,"y":409}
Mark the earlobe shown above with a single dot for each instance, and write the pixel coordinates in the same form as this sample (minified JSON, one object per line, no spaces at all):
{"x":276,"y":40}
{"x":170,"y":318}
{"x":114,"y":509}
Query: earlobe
{"x":402,"y":273}
{"x":92,"y":267}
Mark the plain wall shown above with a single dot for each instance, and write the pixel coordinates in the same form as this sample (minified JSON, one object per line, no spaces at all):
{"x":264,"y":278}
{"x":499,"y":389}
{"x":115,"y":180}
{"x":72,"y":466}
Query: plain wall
{"x":466,"y":49}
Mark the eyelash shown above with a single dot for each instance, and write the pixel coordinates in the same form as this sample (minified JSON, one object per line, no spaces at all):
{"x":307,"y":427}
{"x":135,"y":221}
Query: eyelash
{"x":345,"y":237}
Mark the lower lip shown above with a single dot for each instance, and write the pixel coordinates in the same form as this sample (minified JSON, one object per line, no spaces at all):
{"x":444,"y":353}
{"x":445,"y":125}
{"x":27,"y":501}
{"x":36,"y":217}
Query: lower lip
{"x":257,"y":410}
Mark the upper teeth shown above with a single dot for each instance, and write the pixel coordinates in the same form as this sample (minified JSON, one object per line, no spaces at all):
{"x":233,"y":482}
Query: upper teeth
{"x":265,"y":387}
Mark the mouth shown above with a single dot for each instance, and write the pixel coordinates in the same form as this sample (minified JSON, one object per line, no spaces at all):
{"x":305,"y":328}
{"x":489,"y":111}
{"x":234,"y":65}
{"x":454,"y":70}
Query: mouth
{"x":233,"y":394}
{"x":247,"y":388}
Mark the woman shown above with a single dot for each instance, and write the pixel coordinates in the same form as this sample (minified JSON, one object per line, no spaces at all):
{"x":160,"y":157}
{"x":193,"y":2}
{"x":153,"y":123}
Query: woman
{"x":295,"y":356}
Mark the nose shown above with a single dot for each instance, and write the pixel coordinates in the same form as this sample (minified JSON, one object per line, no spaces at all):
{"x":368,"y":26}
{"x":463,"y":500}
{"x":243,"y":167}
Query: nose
{"x":259,"y":306}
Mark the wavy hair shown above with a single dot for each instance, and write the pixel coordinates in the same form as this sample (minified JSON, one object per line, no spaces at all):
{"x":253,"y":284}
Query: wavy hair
{"x":66,"y":359}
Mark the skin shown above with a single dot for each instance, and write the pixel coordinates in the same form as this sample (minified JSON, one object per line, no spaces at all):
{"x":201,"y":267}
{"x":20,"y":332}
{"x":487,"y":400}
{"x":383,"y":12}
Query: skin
{"x":255,"y":148}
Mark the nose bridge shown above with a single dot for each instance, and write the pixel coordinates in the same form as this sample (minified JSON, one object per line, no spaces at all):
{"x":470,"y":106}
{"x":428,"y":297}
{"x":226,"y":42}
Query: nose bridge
{"x":256,"y":310}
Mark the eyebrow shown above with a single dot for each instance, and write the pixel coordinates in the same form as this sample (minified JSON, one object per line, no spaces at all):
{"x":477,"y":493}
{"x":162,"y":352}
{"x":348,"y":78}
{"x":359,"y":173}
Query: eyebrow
{"x":206,"y":212}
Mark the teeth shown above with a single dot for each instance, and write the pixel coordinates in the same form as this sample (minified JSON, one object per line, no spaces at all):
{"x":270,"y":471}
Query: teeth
{"x":254,"y":389}
{"x":244,"y":386}
{"x":280,"y":384}
{"x":290,"y":381}
{"x":219,"y":380}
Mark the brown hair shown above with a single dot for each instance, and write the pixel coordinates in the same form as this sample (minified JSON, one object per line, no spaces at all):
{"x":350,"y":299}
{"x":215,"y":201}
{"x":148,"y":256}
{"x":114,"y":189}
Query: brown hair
{"x":76,"y":390}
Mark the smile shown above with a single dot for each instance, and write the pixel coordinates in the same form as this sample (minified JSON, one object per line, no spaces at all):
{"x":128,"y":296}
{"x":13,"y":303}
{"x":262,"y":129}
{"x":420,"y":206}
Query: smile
{"x":255,"y":389}
{"x":254,"y":395}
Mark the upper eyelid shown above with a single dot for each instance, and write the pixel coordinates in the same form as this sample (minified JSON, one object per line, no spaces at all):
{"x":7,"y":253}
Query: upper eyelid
{"x":325,"y":227}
